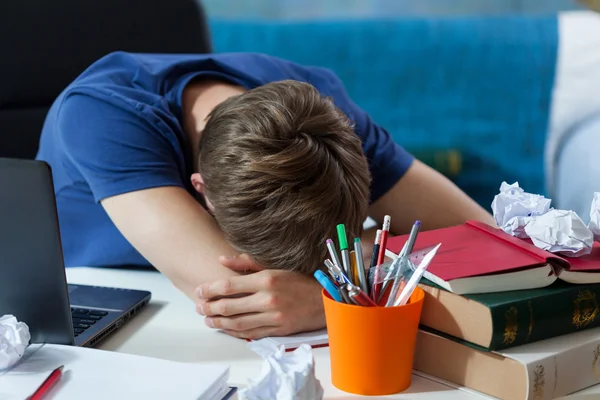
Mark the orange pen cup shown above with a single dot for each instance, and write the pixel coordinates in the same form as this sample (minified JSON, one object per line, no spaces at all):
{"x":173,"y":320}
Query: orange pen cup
{"x":372,"y":348}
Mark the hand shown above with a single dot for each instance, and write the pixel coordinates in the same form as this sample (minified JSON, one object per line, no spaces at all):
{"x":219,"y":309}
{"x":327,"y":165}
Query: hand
{"x":261,"y":303}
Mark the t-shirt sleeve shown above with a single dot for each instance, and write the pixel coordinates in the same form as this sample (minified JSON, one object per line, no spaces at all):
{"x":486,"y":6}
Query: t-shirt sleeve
{"x":388,"y":161}
{"x":116,"y":147}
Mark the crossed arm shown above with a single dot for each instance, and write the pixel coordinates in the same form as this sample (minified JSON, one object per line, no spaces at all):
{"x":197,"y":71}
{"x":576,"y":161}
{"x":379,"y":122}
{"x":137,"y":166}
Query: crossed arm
{"x":176,"y":235}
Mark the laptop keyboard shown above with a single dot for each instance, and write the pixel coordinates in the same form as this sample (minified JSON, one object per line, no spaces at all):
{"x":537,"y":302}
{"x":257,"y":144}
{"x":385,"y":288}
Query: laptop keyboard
{"x":84,"y":318}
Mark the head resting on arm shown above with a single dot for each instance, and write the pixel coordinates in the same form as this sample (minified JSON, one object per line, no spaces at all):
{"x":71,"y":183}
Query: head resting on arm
{"x":281,"y":166}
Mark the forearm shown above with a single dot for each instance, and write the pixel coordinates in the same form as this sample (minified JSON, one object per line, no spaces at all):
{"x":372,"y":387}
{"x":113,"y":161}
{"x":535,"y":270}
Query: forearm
{"x":424,"y":194}
{"x":174,"y":233}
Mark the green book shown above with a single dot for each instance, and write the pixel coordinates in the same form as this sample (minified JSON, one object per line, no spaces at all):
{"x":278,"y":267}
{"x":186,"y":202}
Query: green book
{"x":502,"y":320}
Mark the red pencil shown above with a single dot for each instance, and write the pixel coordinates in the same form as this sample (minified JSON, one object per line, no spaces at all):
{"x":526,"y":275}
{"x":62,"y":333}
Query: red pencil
{"x":48,"y":384}
{"x":385,"y":230}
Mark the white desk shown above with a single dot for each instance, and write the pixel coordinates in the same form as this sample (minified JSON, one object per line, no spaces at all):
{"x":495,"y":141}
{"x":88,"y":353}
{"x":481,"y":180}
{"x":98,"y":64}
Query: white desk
{"x":169,"y":328}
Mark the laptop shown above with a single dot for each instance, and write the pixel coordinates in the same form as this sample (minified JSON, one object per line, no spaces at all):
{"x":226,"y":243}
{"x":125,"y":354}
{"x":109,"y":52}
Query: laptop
{"x":33,"y":285}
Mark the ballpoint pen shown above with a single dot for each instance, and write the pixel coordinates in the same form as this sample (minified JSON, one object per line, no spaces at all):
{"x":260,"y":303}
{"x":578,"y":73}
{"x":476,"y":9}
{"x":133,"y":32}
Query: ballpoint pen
{"x":48,"y":384}
{"x":404,"y":253}
{"x":359,"y":296}
{"x":410,"y":243}
{"x":415,"y":278}
{"x":341,"y":230}
{"x":327,"y":285}
{"x":360,"y":266}
{"x":333,"y":272}
{"x":340,"y":276}
{"x":344,"y":294}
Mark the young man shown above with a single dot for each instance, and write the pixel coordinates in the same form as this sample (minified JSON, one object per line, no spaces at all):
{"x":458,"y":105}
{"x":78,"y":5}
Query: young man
{"x":227,"y":172}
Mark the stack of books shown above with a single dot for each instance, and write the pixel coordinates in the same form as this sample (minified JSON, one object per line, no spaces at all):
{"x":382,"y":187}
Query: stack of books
{"x":506,"y":318}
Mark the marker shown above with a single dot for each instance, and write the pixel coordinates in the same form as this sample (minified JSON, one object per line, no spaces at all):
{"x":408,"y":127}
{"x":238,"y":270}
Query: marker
{"x":328,"y":285}
{"x":359,"y":297}
{"x":360,"y":266}
{"x":405,"y":252}
{"x":341,"y":230}
{"x":333,"y":252}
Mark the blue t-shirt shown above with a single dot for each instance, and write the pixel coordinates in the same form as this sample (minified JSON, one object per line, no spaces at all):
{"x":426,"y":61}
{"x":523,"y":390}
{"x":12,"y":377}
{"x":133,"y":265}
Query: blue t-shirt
{"x":118,"y":128}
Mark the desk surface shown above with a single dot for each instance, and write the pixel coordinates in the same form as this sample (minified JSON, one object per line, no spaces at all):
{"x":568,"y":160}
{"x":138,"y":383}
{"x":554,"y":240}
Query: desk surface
{"x":169,"y":328}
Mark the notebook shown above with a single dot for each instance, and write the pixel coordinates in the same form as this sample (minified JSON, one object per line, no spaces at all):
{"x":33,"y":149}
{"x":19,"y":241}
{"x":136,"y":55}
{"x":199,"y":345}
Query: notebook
{"x":97,"y":374}
{"x":476,"y":258}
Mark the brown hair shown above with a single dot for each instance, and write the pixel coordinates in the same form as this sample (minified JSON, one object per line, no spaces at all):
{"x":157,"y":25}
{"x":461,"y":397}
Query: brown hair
{"x":282,"y":166}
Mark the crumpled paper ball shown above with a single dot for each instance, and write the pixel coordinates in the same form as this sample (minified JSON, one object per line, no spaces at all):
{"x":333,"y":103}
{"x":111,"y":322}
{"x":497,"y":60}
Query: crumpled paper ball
{"x":14,"y":339}
{"x":513,"y":208}
{"x":594,"y":224}
{"x":284,"y":375}
{"x":561,"y":231}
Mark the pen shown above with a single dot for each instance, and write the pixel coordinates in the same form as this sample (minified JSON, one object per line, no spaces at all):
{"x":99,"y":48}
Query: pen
{"x":344,"y":294}
{"x":339,"y":274}
{"x":332,"y":273}
{"x":328,"y":285}
{"x":360,"y":266}
{"x":331,"y":268}
{"x":341,"y":230}
{"x":416,"y":277}
{"x":404,"y":254}
{"x":359,"y":297}
{"x":375,"y":249}
{"x":333,"y":252}
{"x":412,"y":238}
{"x":48,"y":384}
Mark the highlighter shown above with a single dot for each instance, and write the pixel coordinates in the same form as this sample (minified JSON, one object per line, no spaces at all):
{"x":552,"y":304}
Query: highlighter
{"x":328,"y":285}
{"x":341,"y":231}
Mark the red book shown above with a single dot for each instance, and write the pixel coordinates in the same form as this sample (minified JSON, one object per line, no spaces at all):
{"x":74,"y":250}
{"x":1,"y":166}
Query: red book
{"x":476,"y":258}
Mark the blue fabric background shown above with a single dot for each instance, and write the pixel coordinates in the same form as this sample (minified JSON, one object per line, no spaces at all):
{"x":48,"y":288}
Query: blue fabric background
{"x":480,"y":85}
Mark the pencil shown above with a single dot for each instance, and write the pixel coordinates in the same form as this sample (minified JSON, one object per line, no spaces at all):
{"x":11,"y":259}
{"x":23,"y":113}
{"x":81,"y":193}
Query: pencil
{"x":381,"y":255}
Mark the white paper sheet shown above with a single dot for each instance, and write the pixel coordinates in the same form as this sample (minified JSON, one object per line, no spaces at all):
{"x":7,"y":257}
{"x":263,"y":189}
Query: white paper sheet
{"x":99,"y":375}
{"x":314,"y":338}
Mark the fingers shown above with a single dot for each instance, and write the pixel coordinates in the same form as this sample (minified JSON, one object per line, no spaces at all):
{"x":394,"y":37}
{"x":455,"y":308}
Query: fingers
{"x":242,"y":263}
{"x":229,"y":306}
{"x":244,"y":322}
{"x":236,"y":285}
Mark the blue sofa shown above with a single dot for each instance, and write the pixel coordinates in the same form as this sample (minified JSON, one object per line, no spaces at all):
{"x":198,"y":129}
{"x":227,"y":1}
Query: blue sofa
{"x":469,"y":95}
